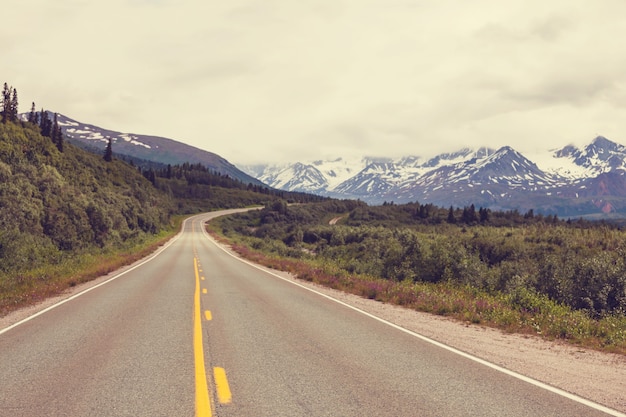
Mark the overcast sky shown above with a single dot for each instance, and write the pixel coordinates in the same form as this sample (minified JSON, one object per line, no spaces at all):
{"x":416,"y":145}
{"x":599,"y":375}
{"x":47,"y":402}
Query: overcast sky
{"x":293,"y":80}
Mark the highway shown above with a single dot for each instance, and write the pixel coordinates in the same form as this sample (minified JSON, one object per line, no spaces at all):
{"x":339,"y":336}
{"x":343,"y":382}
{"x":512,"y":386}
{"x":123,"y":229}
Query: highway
{"x":193,"y":331}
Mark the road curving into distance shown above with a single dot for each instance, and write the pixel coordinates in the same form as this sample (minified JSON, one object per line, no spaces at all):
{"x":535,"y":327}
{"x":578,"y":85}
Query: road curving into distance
{"x":193,"y":330}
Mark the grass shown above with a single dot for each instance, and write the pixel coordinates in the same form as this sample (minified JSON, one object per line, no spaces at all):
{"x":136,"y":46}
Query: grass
{"x":32,"y":286}
{"x":522,"y":311}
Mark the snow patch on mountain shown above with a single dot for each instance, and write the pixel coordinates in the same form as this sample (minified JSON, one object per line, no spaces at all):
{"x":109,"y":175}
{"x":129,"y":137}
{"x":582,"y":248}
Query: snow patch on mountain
{"x":496,"y":178}
{"x":337,"y":170}
{"x":85,"y":132}
{"x":147,"y":148}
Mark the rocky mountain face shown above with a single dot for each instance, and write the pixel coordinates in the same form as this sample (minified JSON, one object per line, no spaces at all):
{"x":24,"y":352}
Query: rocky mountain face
{"x":568,"y":182}
{"x":145,"y":147}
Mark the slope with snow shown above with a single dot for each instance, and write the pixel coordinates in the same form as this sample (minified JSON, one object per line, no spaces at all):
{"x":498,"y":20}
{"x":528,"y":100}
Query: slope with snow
{"x":567,"y":180}
{"x":145,"y":147}
{"x":503,"y":178}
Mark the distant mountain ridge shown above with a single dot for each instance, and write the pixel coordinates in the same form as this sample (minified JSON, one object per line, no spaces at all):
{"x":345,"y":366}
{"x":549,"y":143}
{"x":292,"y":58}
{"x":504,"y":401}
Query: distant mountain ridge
{"x":569,"y":181}
{"x":150,"y":148}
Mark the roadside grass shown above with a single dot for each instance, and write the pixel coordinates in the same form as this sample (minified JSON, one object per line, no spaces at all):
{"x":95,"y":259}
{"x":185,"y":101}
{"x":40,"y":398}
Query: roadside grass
{"x":28,"y":287}
{"x":523,"y":311}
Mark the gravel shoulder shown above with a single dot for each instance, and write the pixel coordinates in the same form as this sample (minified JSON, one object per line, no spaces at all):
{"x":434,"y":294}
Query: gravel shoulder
{"x":599,"y":377}
{"x":596,"y":376}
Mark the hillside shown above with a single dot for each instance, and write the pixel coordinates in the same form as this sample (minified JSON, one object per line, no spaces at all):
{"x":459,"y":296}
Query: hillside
{"x":146,"y":147}
{"x":61,"y":205}
{"x":53,"y":202}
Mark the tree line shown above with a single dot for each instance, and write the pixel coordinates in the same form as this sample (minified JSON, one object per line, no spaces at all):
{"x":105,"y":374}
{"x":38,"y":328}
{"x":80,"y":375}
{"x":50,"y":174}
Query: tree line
{"x":9,"y":104}
{"x":390,"y":214}
{"x":48,"y":127}
{"x":196,"y":181}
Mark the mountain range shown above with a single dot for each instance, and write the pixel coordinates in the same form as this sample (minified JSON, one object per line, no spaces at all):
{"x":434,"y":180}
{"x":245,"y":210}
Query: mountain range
{"x":570,"y":181}
{"x":145,"y":147}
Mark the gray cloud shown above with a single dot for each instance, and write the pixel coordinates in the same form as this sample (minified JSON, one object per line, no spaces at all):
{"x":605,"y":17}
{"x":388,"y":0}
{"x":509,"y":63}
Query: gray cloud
{"x":284,"y":80}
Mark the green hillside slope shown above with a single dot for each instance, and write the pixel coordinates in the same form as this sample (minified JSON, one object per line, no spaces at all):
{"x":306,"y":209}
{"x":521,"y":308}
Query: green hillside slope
{"x":59,"y":201}
{"x":64,"y":209}
{"x":56,"y":206}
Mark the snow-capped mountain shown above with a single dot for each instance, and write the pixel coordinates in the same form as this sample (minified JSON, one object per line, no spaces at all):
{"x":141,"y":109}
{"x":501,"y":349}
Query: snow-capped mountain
{"x":145,"y":147}
{"x":296,"y":177}
{"x":378,"y":177}
{"x":505,"y":166}
{"x":567,"y":181}
{"x":600,"y":156}
{"x":318,"y":176}
{"x":462,"y":155}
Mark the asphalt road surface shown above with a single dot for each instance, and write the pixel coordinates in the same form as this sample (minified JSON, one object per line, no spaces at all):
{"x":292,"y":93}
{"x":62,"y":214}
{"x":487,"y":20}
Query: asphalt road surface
{"x":194,"y":331}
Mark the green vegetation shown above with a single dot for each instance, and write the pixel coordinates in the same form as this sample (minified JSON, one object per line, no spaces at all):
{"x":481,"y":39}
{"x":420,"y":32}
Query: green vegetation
{"x":68,"y":215}
{"x":523,"y":273}
{"x":58,"y":207}
{"x":195,"y":188}
{"x":9,"y":104}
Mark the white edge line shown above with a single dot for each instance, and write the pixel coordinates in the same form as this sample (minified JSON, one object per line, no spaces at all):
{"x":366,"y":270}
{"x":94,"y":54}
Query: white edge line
{"x":466,"y":355}
{"x":146,"y":260}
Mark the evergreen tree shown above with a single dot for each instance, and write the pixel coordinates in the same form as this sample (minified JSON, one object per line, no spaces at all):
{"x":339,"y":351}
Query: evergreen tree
{"x":108,"y":152}
{"x":45,"y":124}
{"x":6,"y":103}
{"x":469,"y":215}
{"x":14,"y":107}
{"x":483,"y":214}
{"x":33,"y":117}
{"x":451,"y":218}
{"x":57,"y":134}
{"x":150,"y":175}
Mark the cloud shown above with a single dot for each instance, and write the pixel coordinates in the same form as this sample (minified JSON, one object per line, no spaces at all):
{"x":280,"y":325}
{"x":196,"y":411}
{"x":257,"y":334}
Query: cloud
{"x":291,"y":80}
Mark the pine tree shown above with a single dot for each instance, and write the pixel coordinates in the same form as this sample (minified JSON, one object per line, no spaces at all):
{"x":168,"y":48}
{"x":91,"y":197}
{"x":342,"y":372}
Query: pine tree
{"x":150,"y":175}
{"x":469,"y":215}
{"x":45,"y":124}
{"x":13,"y":114}
{"x":483,"y":214}
{"x":60,"y":140}
{"x":451,"y":218}
{"x":57,"y":134}
{"x":33,"y":117}
{"x":6,"y":103}
{"x":108,"y":152}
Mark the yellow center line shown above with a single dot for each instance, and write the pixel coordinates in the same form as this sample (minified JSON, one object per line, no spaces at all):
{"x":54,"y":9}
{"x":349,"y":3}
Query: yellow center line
{"x":204,"y":291}
{"x":221,"y":385}
{"x":208,"y":315}
{"x":203,"y":402}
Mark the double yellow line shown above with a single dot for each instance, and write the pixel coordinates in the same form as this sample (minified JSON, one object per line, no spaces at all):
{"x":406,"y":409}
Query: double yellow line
{"x":203,"y":400}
